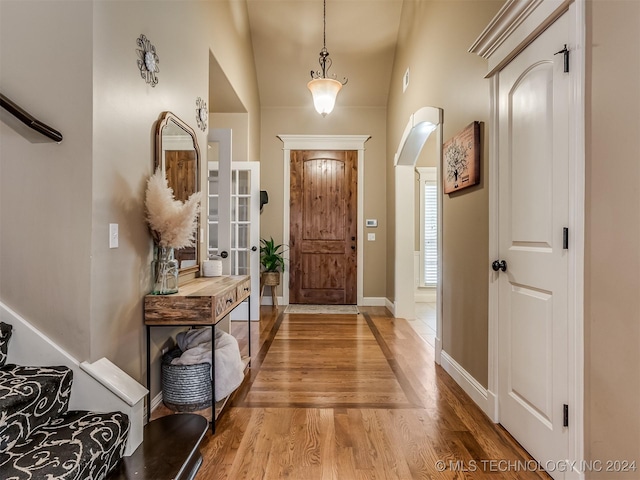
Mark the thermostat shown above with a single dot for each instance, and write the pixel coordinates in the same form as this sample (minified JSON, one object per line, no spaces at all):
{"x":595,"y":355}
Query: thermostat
{"x":372,"y":222}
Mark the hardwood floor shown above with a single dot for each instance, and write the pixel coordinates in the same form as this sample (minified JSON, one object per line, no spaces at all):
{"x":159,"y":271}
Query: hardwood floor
{"x":353,"y":397}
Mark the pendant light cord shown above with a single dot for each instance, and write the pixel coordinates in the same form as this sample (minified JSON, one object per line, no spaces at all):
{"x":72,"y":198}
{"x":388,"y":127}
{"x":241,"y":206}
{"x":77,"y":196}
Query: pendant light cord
{"x":324,"y":24}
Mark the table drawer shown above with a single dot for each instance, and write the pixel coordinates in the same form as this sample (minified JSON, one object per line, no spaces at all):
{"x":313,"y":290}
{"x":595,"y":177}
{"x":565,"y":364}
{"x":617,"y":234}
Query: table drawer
{"x":244,"y":289}
{"x":224,"y":302}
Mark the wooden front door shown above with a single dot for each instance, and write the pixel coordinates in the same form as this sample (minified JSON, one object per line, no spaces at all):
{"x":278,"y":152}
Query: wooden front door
{"x":323,"y":217}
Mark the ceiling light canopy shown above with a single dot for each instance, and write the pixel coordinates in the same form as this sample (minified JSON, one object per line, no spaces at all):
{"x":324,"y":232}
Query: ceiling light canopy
{"x":324,"y":89}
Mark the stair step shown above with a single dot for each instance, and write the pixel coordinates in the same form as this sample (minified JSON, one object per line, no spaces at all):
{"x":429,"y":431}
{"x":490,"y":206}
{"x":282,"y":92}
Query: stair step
{"x":77,"y":445}
{"x":170,"y":450}
{"x":30,"y":398}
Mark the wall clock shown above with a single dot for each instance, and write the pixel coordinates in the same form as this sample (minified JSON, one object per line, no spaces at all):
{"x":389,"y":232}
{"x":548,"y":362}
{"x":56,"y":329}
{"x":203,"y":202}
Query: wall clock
{"x":147,"y":60}
{"x":202,"y":114}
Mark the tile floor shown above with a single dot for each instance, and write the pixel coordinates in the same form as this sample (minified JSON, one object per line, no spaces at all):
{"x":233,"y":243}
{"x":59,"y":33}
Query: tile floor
{"x":425,"y":322}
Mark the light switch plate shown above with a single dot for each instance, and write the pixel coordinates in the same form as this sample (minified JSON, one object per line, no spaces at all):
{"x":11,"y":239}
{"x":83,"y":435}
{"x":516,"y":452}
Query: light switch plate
{"x":113,"y":235}
{"x":371,"y":237}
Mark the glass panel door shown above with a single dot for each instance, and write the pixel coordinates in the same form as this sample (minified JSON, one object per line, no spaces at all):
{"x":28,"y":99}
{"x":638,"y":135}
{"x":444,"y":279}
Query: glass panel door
{"x":244,"y":226}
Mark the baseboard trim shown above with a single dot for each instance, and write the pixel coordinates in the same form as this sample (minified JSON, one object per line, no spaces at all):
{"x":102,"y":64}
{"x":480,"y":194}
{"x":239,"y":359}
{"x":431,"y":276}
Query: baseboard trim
{"x":391,"y":306}
{"x":373,"y":302}
{"x":365,"y":302}
{"x":485,"y":399}
{"x":438,"y":350}
{"x":269,"y":301}
{"x":155,"y":403}
{"x":425,"y":296}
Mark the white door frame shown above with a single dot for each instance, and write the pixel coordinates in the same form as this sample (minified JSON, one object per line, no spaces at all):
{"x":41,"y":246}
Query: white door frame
{"x":240,"y":313}
{"x":222,"y":136}
{"x":323,"y":142}
{"x":421,"y":125}
{"x":515,"y":26}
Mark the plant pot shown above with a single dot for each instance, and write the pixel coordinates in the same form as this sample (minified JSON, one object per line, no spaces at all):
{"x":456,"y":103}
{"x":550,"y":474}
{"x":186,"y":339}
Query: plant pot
{"x":271,"y":279}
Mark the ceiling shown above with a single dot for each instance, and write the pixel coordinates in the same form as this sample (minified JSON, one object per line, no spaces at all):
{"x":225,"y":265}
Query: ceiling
{"x":287,"y":39}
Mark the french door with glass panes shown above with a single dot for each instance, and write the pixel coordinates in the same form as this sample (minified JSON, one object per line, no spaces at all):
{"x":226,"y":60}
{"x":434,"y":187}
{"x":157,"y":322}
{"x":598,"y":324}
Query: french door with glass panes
{"x":234,"y":225}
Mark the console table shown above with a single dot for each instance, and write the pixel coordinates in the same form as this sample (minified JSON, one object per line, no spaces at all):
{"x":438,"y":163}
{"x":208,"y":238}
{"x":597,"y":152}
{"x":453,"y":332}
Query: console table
{"x":203,"y":301}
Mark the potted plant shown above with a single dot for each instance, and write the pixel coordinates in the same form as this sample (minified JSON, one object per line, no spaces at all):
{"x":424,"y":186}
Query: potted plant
{"x":272,"y":261}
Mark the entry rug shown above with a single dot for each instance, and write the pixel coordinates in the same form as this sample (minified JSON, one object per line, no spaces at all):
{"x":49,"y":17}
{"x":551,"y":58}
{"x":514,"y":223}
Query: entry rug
{"x":323,"y":309}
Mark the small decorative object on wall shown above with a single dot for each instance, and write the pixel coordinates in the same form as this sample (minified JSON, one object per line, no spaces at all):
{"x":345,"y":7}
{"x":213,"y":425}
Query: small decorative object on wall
{"x":173,"y":226}
{"x":201,"y":114}
{"x":148,"y":61}
{"x":461,"y":158}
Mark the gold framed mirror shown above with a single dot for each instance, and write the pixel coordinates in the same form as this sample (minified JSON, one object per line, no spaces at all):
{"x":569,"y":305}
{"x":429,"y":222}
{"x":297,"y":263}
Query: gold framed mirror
{"x":178,"y":155}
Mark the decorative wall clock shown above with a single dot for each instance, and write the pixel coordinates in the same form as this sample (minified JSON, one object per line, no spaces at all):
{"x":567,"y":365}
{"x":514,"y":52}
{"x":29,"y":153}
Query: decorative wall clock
{"x":148,"y":60}
{"x":202,"y":114}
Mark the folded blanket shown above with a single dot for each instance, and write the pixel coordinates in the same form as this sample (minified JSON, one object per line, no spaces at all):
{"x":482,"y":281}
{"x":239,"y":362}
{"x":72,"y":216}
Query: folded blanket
{"x":194,"y":337}
{"x":196,"y":347}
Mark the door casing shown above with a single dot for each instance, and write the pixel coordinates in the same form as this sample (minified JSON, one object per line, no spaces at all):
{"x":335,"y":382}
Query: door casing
{"x":323,"y":142}
{"x":322,"y":267}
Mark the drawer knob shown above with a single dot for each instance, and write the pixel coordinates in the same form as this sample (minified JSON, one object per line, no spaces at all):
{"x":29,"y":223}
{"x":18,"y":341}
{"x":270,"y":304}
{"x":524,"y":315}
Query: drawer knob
{"x":229,"y":300}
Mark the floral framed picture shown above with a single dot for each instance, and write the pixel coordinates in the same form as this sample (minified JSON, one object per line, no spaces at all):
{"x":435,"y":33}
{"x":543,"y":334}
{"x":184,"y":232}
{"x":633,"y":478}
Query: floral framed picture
{"x":461,"y":159}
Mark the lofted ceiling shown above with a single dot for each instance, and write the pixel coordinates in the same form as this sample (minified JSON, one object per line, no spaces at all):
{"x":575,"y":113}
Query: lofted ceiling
{"x":287,"y":39}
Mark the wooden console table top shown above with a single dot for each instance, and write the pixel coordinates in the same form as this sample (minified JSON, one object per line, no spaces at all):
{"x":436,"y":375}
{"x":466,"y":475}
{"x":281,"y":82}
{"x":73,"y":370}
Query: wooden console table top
{"x":202,"y":301}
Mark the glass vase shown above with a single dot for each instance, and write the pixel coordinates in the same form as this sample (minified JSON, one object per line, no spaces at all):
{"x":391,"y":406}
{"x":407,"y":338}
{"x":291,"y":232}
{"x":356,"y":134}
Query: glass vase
{"x":165,"y":272}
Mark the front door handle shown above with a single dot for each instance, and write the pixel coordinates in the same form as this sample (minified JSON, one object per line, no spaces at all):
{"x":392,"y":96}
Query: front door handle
{"x":224,"y":254}
{"x":499,"y":265}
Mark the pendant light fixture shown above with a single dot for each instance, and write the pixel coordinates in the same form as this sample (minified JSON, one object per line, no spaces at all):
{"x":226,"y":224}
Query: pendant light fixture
{"x":324,"y":89}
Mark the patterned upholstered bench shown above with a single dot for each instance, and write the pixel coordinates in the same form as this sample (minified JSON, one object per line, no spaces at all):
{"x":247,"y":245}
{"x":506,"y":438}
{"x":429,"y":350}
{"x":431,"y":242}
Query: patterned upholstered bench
{"x":40,"y":438}
{"x":29,"y":398}
{"x":76,"y":445}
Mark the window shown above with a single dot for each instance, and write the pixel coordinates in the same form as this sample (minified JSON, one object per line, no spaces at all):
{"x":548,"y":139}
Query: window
{"x":428,"y":226}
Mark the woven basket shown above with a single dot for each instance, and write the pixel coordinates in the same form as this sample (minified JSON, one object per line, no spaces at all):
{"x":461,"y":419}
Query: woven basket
{"x":185,"y":388}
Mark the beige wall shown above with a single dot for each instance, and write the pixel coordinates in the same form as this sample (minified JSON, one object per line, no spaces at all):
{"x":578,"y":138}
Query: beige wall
{"x":342,"y":121}
{"x":612,"y":254}
{"x":239,"y":125}
{"x":89,"y":297}
{"x":433,"y":43}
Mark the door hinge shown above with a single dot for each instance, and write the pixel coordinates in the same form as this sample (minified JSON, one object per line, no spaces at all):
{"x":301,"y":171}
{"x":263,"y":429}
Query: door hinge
{"x":565,"y":52}
{"x":565,"y":238}
{"x":565,"y":419}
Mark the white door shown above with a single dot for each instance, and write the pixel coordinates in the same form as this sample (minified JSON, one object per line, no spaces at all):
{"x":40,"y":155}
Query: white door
{"x":533,"y":210}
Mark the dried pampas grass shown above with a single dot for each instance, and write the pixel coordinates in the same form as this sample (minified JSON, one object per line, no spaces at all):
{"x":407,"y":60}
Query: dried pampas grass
{"x":173,"y":223}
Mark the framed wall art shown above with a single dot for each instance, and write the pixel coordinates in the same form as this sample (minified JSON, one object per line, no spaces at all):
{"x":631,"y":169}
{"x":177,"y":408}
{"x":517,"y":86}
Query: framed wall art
{"x":461,"y":159}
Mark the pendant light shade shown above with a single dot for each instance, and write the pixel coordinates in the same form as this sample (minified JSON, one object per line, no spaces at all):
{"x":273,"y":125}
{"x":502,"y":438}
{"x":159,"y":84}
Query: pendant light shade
{"x":324,"y":92}
{"x":324,"y":89}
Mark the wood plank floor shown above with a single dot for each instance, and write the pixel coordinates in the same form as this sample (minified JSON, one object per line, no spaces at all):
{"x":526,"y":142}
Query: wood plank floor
{"x":353,"y":397}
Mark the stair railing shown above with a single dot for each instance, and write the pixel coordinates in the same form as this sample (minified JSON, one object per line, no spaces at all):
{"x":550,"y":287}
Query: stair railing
{"x":29,"y":120}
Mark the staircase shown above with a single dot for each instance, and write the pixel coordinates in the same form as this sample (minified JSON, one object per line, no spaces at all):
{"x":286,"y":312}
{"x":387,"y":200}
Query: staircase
{"x":40,"y":437}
